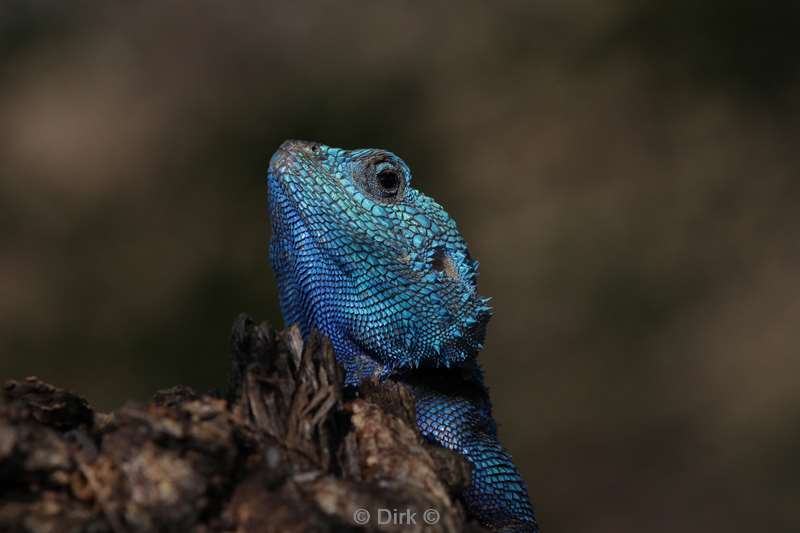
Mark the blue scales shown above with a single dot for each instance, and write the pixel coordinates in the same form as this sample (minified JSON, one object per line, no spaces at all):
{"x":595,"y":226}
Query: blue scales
{"x":382,"y":270}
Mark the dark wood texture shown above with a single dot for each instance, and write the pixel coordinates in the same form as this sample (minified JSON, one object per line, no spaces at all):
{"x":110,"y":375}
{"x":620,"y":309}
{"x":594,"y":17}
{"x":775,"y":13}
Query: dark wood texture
{"x":285,"y":450}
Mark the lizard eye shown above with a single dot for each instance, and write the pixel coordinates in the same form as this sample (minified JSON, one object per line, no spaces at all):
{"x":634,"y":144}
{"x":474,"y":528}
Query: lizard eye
{"x":383,"y":179}
{"x":389,"y":182}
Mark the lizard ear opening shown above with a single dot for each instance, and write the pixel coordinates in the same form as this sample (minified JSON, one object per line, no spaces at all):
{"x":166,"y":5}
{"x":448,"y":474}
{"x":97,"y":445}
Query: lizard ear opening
{"x":443,"y":263}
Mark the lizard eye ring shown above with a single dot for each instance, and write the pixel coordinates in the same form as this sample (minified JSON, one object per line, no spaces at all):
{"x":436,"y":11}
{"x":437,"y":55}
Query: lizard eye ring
{"x":382,"y":179}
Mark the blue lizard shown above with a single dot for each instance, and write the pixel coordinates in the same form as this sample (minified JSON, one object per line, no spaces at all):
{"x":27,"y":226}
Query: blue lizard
{"x":382,"y":270}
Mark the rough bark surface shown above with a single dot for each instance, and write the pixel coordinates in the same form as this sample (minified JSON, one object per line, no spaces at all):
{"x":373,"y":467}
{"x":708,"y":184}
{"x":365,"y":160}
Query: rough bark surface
{"x":285,"y":451}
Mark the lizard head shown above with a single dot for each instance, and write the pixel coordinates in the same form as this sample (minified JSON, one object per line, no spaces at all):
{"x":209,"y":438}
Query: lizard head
{"x":373,"y":263}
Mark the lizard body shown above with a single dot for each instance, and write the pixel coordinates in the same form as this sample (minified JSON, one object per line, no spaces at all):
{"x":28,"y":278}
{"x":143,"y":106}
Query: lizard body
{"x":382,"y":270}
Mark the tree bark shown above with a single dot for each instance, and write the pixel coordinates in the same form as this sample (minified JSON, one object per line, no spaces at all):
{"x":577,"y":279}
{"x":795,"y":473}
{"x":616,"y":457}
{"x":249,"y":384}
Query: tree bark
{"x":286,"y":450}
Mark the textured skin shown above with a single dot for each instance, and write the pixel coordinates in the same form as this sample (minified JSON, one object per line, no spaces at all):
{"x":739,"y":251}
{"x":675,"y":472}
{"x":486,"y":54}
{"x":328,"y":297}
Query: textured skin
{"x":382,"y":270}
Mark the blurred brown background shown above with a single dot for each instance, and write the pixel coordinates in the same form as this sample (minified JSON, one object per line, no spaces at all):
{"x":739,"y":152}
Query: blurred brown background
{"x":626,"y":171}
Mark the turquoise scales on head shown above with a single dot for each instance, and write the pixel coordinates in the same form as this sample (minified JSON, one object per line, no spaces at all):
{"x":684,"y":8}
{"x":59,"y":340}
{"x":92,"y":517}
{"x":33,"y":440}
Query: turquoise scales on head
{"x":382,"y":270}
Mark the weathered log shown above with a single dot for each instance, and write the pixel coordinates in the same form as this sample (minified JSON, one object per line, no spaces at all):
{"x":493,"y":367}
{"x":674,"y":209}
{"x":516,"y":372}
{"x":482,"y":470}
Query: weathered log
{"x":288,"y":449}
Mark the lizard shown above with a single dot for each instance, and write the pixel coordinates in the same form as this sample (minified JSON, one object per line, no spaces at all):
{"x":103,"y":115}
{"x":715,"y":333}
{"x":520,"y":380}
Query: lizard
{"x":381,"y":270}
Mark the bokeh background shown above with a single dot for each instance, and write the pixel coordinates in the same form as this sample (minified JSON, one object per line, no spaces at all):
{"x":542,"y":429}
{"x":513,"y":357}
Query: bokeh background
{"x":626,"y":171}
